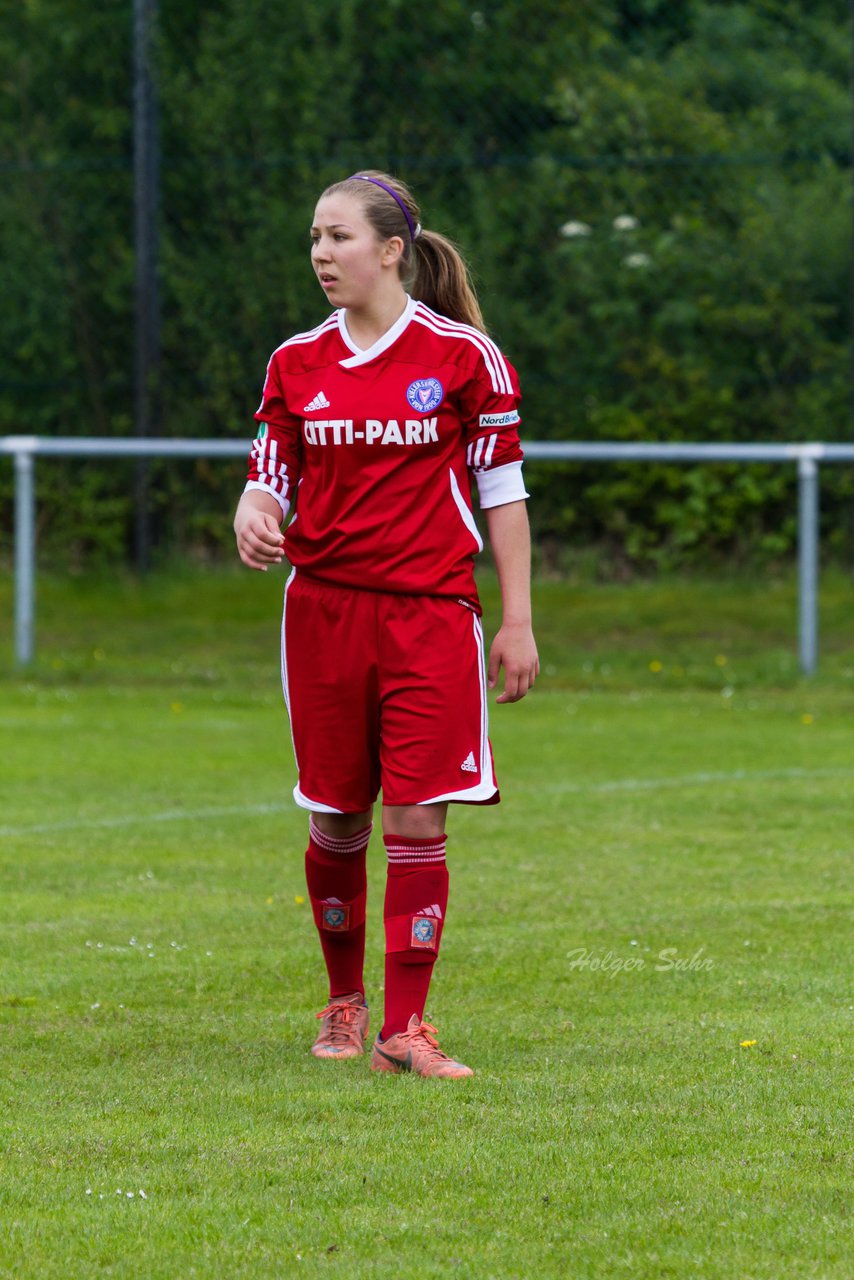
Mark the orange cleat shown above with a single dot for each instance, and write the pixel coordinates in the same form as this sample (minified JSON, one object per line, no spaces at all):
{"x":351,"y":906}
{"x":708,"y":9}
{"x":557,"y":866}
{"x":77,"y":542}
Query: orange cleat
{"x":345,"y":1028}
{"x":416,"y":1049}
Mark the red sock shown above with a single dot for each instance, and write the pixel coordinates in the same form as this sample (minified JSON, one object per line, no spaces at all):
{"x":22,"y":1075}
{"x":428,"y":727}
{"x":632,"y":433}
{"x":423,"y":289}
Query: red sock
{"x":337,"y":888}
{"x":416,"y":899}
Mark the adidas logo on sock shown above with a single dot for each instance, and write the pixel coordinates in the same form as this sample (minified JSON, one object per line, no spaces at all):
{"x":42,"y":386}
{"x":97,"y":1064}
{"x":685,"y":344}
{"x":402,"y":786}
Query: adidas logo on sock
{"x":435,"y":911}
{"x":468,"y":765}
{"x":319,"y":402}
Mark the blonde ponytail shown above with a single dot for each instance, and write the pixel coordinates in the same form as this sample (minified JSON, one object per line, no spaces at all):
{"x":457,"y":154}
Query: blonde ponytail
{"x":442,"y":280}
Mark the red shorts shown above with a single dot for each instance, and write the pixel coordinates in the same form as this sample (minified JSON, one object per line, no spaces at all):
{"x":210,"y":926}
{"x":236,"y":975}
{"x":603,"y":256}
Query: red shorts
{"x":384,"y":691}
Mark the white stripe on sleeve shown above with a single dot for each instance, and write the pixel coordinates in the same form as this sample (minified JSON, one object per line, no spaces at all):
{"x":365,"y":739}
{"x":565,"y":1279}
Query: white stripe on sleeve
{"x":273,"y":469}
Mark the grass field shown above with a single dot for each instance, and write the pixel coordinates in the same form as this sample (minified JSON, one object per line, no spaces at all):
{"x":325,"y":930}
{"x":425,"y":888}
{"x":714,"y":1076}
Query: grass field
{"x":647,"y":958}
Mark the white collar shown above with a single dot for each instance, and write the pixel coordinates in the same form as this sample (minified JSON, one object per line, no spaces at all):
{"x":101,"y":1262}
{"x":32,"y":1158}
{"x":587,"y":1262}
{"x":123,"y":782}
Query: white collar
{"x":382,"y":344}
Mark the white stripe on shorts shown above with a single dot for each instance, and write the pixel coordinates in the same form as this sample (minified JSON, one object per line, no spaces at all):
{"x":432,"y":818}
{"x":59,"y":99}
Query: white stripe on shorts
{"x":487,"y":787}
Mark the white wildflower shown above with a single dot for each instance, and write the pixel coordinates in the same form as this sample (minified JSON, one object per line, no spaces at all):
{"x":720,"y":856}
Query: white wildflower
{"x":625,"y":222}
{"x":570,"y":229}
{"x":635,"y":260}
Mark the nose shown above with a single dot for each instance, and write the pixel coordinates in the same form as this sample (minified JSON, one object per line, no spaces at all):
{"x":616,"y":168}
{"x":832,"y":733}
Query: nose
{"x":320,"y":249}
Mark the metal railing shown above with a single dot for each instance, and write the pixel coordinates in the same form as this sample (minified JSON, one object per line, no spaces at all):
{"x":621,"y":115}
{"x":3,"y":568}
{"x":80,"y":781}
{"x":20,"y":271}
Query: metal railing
{"x":806,"y":457}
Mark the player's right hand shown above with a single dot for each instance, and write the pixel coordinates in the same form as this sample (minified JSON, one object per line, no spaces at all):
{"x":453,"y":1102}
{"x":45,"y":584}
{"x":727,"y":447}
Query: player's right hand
{"x":260,"y":541}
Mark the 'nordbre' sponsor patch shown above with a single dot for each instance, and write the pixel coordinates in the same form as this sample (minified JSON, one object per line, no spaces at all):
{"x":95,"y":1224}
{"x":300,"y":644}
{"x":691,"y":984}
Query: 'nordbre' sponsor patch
{"x":508,"y":419}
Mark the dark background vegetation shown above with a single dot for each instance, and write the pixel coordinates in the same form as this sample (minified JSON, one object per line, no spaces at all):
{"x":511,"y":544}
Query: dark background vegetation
{"x":655,"y":196}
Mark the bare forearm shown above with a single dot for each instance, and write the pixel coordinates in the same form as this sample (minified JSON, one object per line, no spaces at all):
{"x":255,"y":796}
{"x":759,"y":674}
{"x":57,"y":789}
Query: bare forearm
{"x":510,"y":539}
{"x":514,"y":647}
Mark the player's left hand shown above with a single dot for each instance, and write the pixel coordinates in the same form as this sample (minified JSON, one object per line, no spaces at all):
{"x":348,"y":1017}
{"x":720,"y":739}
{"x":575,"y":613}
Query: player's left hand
{"x":514,"y":649}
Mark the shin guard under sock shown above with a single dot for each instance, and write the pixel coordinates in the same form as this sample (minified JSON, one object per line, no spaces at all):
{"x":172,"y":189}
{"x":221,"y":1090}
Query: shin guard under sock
{"x":337,"y":889}
{"x":415,"y":903}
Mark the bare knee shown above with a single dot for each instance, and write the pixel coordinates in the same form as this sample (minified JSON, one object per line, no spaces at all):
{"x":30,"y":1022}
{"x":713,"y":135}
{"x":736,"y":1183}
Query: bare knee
{"x":417,"y":821}
{"x":341,"y":825}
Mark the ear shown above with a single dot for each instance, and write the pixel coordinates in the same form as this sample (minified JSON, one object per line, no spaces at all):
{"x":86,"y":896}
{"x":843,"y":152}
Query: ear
{"x":392,"y":251}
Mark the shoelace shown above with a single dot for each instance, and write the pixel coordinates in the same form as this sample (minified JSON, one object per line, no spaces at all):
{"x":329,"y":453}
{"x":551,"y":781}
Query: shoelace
{"x":428,"y":1033}
{"x":340,"y":1014}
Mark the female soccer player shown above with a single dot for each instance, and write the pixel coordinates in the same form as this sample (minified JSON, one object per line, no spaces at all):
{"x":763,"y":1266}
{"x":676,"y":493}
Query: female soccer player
{"x":371,"y":428}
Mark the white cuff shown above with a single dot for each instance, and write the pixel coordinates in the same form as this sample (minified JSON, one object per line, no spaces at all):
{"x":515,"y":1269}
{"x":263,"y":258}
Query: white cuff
{"x":501,"y":485}
{"x":265,"y":488}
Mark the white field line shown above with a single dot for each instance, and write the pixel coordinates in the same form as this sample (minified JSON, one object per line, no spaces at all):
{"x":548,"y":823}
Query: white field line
{"x":692,"y":780}
{"x":141,"y":819}
{"x":567,"y":788}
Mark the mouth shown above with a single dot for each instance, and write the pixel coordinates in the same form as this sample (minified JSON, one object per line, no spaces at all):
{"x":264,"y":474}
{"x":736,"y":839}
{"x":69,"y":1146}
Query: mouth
{"x":326,"y":280}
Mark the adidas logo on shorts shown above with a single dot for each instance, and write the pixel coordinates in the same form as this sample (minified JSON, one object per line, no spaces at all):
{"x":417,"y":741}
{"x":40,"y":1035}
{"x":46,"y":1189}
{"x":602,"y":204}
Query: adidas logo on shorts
{"x":468,"y":765}
{"x":319,"y":402}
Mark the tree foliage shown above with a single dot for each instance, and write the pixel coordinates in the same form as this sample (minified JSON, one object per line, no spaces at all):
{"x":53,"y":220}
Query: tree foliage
{"x":655,"y":198}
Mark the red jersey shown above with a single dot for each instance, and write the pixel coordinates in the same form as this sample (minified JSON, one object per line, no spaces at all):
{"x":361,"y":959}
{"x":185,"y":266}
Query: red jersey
{"x":375,"y":451}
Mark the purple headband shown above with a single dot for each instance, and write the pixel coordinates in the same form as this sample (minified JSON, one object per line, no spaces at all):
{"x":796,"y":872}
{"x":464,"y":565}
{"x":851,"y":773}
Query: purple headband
{"x":414,"y":229}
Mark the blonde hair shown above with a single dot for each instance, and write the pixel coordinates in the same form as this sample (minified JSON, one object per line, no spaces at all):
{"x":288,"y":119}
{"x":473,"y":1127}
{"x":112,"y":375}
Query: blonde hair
{"x":431,"y":266}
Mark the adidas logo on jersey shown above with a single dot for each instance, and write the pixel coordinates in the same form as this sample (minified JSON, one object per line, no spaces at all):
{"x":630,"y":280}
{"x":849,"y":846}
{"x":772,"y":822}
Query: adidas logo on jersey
{"x":468,"y":765}
{"x":319,"y":402}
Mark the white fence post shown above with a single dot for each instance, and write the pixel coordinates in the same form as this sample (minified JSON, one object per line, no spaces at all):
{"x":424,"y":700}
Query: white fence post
{"x":25,"y":554}
{"x":808,"y":562}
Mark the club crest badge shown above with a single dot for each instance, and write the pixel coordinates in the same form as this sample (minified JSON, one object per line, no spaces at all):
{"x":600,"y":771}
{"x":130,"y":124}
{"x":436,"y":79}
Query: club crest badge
{"x":424,"y":394}
{"x":423,"y":932}
{"x":336,"y":917}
